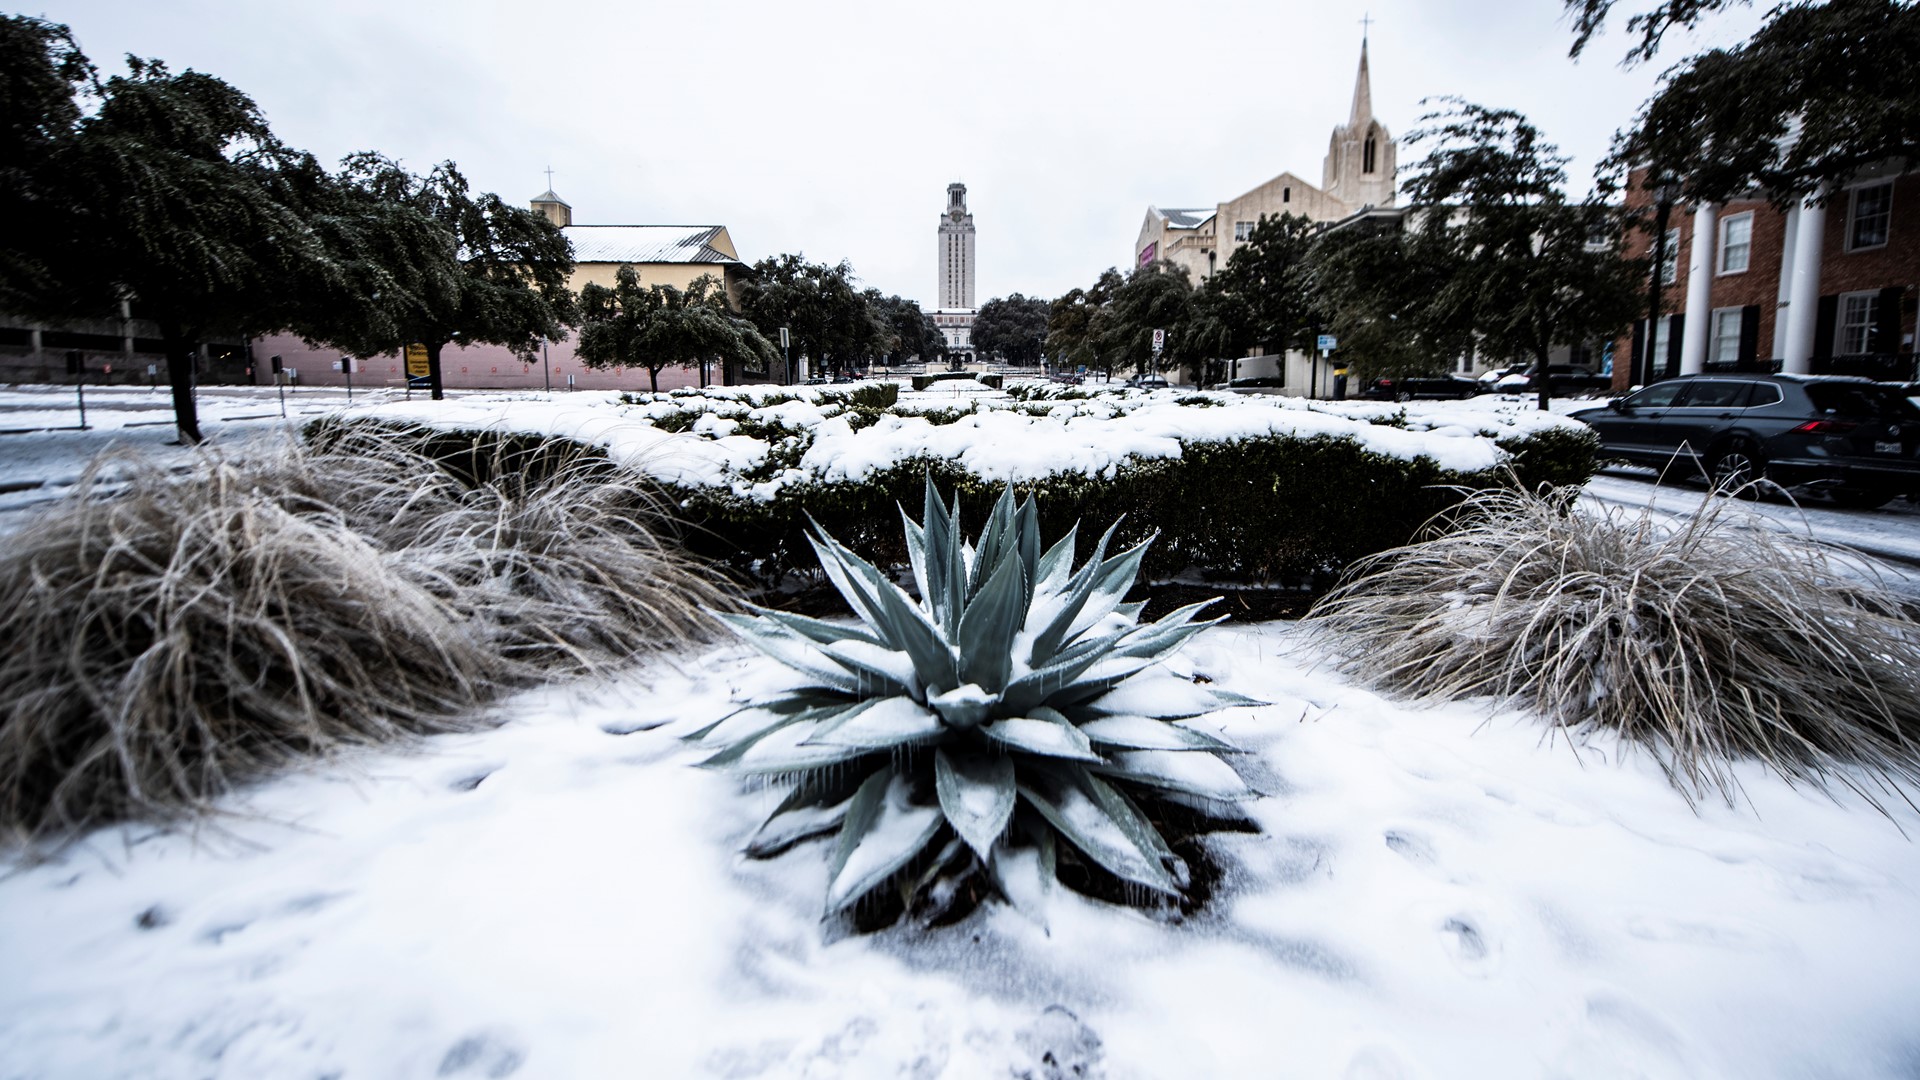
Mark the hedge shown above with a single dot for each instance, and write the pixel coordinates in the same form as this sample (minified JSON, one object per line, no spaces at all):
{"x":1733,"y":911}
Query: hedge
{"x":1274,"y":508}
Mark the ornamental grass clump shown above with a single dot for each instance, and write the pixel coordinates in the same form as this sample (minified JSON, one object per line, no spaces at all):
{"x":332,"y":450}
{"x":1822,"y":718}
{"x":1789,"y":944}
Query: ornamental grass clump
{"x":172,"y":636}
{"x":1707,"y":639}
{"x":1011,"y":704}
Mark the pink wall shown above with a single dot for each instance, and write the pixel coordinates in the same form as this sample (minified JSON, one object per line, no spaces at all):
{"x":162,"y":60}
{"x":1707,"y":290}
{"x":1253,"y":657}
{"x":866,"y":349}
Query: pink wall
{"x":473,"y":367}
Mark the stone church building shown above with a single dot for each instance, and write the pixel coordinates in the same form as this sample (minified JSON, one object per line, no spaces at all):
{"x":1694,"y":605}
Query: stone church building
{"x":1356,"y":175}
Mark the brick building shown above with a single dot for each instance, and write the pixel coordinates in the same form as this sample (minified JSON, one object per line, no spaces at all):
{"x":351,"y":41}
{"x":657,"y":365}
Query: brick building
{"x":1814,"y":289}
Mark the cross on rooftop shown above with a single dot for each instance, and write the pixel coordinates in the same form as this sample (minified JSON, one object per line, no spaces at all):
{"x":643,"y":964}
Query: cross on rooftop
{"x":1366,"y":23}
{"x":549,"y":178}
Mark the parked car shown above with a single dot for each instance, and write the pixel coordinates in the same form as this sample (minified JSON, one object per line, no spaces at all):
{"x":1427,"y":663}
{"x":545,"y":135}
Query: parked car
{"x":1855,"y":439}
{"x":1148,"y":382}
{"x":1408,"y":387}
{"x":1066,"y":378}
{"x":1563,"y":380}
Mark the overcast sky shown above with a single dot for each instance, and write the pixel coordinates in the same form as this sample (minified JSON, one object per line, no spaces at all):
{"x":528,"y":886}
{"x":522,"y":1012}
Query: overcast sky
{"x":833,"y":127}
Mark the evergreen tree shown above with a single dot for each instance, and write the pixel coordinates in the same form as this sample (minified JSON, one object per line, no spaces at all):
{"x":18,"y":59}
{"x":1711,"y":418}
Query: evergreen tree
{"x":1525,"y":267}
{"x":1074,"y":322}
{"x":828,"y":318}
{"x":660,"y":327}
{"x":1013,"y":328}
{"x":1154,"y":297}
{"x":910,"y":333}
{"x":1265,"y":288}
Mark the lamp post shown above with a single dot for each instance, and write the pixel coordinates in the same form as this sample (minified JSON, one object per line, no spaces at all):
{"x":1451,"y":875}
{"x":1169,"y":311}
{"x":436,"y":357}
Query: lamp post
{"x":1665,"y":191}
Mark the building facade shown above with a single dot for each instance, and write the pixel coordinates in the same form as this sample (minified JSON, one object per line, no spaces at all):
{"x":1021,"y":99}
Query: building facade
{"x":1824,"y":286}
{"x":673,"y":255}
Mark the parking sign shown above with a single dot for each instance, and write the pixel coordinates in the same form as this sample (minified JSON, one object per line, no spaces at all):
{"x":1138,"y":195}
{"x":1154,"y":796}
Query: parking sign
{"x":1327,"y":343}
{"x":1159,"y":340}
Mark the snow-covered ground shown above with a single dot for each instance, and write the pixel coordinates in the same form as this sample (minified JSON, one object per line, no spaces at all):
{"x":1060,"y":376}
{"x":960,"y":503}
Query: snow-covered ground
{"x":1436,"y":891}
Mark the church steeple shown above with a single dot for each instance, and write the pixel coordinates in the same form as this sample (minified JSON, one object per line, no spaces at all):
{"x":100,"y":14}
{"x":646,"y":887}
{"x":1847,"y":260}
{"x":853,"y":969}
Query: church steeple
{"x":1362,"y":93}
{"x":1361,"y":155}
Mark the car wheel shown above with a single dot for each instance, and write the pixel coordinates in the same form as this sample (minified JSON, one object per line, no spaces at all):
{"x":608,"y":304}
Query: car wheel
{"x":1862,"y":498}
{"x":1738,"y":468}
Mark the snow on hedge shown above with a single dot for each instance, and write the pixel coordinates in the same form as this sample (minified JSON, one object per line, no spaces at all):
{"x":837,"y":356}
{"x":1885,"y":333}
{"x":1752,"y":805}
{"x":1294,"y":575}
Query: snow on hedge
{"x":691,"y":438}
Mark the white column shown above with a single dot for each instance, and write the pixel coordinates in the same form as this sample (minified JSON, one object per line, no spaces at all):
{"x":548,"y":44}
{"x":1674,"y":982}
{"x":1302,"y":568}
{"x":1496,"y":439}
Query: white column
{"x":1693,"y":338}
{"x":1803,"y":315}
{"x":1783,"y":300}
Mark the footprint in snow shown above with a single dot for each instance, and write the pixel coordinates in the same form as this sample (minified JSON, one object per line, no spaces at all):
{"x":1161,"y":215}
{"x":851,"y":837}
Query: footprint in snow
{"x":1058,"y":1047}
{"x":488,"y":1054}
{"x":1468,"y":947}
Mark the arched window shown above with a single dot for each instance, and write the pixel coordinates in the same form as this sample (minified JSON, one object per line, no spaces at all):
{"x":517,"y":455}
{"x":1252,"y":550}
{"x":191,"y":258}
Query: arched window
{"x":1286,"y":194}
{"x":1366,"y":161}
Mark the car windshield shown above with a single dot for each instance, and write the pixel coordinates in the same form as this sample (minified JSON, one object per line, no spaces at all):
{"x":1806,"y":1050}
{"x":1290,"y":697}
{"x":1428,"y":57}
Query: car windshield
{"x":1862,"y":399}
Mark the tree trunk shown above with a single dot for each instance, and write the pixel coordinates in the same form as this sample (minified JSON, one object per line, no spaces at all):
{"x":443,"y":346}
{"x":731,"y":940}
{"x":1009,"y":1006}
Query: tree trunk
{"x":653,"y":378}
{"x":1541,"y":382}
{"x":433,"y":366}
{"x":180,"y":381}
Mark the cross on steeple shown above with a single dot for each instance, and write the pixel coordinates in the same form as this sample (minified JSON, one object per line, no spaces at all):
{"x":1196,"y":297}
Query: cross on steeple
{"x":549,"y":178}
{"x":1366,"y":22}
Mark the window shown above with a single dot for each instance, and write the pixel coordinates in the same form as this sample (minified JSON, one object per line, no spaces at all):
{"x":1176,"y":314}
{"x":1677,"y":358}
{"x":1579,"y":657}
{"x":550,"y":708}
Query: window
{"x":1242,"y":231}
{"x":1366,"y":166}
{"x":1658,"y":352}
{"x":1657,"y":396}
{"x":1670,"y":262}
{"x":1725,"y":348}
{"x":1857,"y":311}
{"x":1717,"y":394}
{"x":1869,"y":217}
{"x":1286,"y":194}
{"x":1736,"y":243}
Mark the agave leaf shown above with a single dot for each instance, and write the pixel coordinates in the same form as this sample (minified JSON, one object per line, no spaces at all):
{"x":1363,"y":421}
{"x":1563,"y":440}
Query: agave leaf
{"x":1048,"y":636}
{"x":1190,"y":774}
{"x":917,"y":556}
{"x":789,"y":703}
{"x":786,"y":749}
{"x":793,"y":822}
{"x":1090,"y":826}
{"x":886,"y":671}
{"x":1048,"y":738}
{"x":996,"y":542}
{"x":885,"y":723}
{"x":1054,"y":569}
{"x":1126,"y":814}
{"x":987,"y":629}
{"x":833,"y":564}
{"x":1168,"y":697}
{"x":900,"y":622}
{"x":1026,"y":543}
{"x":1100,"y":677}
{"x":1156,"y":640}
{"x":1132,"y":611}
{"x":815,"y":630}
{"x":1149,"y":733}
{"x":1110,"y":587}
{"x":882,"y":832}
{"x":1042,"y":684}
{"x":792,"y":650}
{"x":977,"y":794}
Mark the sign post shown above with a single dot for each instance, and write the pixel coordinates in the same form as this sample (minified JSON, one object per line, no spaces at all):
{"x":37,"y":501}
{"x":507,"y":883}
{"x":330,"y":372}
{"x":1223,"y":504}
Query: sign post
{"x":1159,"y":343}
{"x":77,"y":367}
{"x":280,"y":386}
{"x":1326,"y":344}
{"x":786,"y":355}
{"x":346,"y":368}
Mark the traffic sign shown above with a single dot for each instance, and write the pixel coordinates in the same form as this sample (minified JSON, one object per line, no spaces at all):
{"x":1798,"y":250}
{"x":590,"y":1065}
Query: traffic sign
{"x":1159,"y":340}
{"x":1328,"y":343}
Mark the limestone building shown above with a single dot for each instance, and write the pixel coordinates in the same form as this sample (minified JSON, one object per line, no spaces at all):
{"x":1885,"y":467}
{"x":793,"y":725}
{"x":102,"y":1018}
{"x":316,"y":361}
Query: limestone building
{"x":954,"y":314}
{"x":1357,"y":174}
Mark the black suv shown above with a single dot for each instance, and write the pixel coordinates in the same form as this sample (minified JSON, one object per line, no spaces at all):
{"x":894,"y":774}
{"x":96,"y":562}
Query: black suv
{"x":1856,"y":439}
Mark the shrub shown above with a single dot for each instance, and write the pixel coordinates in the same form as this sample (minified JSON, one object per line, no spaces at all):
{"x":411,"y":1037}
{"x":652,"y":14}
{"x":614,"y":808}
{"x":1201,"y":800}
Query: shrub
{"x":1703,"y":640}
{"x":997,"y":706}
{"x":174,"y":638}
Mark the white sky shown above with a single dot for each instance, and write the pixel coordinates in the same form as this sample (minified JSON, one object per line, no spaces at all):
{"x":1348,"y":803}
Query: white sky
{"x":832,"y":128}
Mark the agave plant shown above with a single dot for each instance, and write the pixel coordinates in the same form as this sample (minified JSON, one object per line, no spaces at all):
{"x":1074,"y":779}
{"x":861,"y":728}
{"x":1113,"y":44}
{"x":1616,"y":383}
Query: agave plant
{"x":1013,"y":701}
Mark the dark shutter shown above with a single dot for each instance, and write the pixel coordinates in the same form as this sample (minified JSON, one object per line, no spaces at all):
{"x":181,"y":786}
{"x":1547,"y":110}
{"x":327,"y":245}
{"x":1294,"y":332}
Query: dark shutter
{"x":1824,"y":327}
{"x":1749,"y":336}
{"x":1676,"y":334}
{"x":1638,"y":363}
{"x":1885,"y":335}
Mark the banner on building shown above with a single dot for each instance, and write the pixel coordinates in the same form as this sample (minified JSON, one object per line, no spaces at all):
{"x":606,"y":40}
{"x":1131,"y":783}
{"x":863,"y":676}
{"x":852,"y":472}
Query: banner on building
{"x":1149,"y":253}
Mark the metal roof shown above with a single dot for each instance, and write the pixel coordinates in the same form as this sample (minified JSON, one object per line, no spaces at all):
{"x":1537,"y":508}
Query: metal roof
{"x":646,"y":244}
{"x":549,"y":196}
{"x":1185,"y":219}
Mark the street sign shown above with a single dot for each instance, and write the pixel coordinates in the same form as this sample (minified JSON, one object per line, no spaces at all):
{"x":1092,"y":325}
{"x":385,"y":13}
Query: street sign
{"x":1160,"y":340}
{"x":1328,"y":343}
{"x":783,"y":337}
{"x":417,"y":361}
